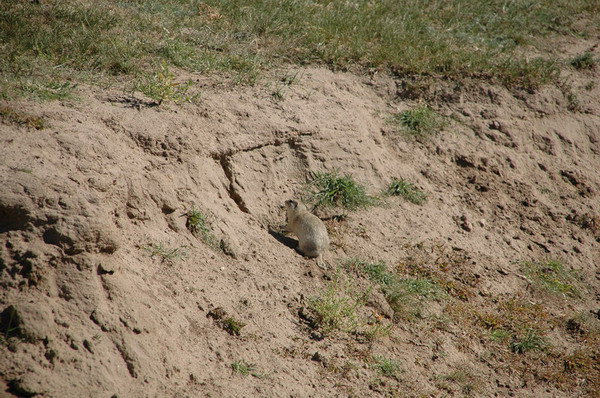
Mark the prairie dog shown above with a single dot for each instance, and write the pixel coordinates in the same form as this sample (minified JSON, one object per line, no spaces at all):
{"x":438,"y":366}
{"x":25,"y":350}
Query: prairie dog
{"x":313,"y":240}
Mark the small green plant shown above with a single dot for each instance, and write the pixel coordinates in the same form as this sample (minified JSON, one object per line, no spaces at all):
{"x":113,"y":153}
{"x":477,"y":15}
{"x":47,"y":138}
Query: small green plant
{"x":226,"y":322}
{"x":337,"y":307}
{"x":463,"y":378}
{"x":377,"y":330}
{"x":333,"y":189}
{"x":162,"y":87}
{"x":500,"y":335}
{"x":386,"y":366}
{"x":531,"y":340}
{"x":278,"y":94}
{"x":232,"y":326}
{"x":166,"y":254}
{"x":407,"y":190}
{"x":420,"y":122}
{"x":286,"y":82}
{"x":584,"y":61}
{"x":242,"y":367}
{"x":198,"y":224}
{"x":551,"y":276}
{"x":590,"y":85}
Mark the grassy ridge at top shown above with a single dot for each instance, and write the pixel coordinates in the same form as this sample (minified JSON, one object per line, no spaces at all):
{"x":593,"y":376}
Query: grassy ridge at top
{"x":44,"y":43}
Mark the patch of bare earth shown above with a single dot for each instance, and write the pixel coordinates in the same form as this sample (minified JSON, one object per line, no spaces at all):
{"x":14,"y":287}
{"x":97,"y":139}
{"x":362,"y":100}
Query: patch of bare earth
{"x":105,"y":292}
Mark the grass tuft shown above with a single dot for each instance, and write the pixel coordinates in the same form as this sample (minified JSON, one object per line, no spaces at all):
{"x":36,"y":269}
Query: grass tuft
{"x":332,"y":189}
{"x":419,"y":122}
{"x":198,"y":224}
{"x":337,"y":308}
{"x":584,"y":61}
{"x":161,"y":86}
{"x":386,"y":366}
{"x":166,"y":254}
{"x":242,"y":367}
{"x":552,"y":276}
{"x":405,"y":295}
{"x":531,"y":340}
{"x":407,"y":190}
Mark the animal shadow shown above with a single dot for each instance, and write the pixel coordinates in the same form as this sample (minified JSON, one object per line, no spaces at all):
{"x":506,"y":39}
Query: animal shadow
{"x":281,"y":238}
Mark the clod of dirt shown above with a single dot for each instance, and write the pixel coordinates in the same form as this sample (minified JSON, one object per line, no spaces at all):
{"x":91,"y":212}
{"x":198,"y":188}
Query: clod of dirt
{"x":26,"y":321}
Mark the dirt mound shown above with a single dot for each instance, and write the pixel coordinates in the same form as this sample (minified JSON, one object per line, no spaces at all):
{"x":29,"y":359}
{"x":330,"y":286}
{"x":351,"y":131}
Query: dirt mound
{"x":106,"y":292}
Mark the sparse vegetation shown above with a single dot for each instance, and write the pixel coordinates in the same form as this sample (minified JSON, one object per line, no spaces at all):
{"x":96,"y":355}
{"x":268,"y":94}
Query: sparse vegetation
{"x":405,"y":295}
{"x":584,"y":61}
{"x":162,"y":87}
{"x":232,"y":326}
{"x":198,"y":223}
{"x":242,"y":367}
{"x":166,"y":254}
{"x":10,"y":115}
{"x":552,"y":276}
{"x":49,"y":90}
{"x":333,"y":189}
{"x":419,"y":122}
{"x":407,"y":190}
{"x":337,"y":308}
{"x":530,"y":340}
{"x":462,"y":377}
{"x":386,"y":366}
{"x":284,"y":84}
{"x":229,"y":324}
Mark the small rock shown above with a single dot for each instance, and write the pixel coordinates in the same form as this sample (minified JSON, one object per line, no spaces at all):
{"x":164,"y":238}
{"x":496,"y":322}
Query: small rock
{"x":495,"y":125}
{"x":465,"y":223}
{"x":317,"y":357}
{"x":482,"y":222}
{"x":88,"y":346}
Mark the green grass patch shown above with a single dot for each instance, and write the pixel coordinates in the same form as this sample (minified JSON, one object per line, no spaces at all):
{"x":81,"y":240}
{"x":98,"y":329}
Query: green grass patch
{"x":242,"y":367}
{"x":551,"y":276}
{"x":406,"y":296}
{"x":584,"y":61}
{"x":519,"y":324}
{"x":332,"y":189}
{"x":336,"y":309}
{"x":419,"y":122}
{"x":161,"y":86}
{"x":91,"y":40}
{"x":386,"y":366}
{"x":407,"y":190}
{"x":530,"y":340}
{"x":49,"y":90}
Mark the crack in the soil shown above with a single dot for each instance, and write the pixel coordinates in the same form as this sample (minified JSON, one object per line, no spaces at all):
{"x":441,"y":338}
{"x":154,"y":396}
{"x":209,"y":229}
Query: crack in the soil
{"x":225,"y":160}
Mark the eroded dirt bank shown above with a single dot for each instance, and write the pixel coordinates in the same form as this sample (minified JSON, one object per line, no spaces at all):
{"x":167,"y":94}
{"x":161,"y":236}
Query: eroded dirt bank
{"x":86,"y":307}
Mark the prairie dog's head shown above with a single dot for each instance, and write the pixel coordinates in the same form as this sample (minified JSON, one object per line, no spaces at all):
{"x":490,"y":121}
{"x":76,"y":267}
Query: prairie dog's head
{"x":293,"y":206}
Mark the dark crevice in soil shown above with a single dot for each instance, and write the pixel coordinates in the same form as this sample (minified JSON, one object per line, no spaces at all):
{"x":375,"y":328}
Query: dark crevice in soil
{"x":225,"y":162}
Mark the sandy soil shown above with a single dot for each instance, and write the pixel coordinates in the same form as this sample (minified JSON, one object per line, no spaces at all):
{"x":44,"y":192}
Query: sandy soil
{"x":512,"y":177}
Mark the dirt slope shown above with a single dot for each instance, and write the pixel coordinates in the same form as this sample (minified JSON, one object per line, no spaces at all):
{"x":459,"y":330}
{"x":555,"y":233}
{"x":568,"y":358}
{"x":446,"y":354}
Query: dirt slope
{"x":87,"y":311}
